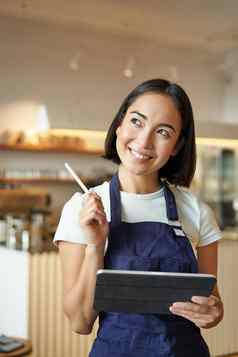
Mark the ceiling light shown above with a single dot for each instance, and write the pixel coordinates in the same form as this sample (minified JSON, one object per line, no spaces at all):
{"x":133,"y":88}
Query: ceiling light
{"x":129,"y":69}
{"x":74,"y":63}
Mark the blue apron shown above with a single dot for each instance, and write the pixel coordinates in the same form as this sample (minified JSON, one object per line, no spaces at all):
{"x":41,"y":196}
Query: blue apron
{"x":148,"y":246}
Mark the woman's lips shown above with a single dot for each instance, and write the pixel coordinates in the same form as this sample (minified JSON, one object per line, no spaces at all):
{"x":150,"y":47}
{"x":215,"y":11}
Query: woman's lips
{"x":139,"y":155}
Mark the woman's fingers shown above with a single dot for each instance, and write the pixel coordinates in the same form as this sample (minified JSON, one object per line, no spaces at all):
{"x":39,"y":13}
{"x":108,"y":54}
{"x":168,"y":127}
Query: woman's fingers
{"x":211,"y":300}
{"x":93,"y":214}
{"x":197,"y":319}
{"x":203,"y":311}
{"x":92,"y":203}
{"x":93,"y":218}
{"x":199,"y":304}
{"x":190,"y":307}
{"x":192,"y":310}
{"x":92,"y":200}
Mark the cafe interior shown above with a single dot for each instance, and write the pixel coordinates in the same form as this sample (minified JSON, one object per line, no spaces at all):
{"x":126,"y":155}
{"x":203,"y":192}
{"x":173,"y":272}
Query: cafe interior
{"x":65,"y":68}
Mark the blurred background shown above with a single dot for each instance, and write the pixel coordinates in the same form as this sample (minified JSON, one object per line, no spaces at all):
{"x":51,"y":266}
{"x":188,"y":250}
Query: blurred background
{"x":65,"y":68}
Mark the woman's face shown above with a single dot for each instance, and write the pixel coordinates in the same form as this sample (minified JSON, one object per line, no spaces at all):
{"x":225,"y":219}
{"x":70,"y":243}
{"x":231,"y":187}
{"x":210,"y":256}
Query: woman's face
{"x":148,"y":134}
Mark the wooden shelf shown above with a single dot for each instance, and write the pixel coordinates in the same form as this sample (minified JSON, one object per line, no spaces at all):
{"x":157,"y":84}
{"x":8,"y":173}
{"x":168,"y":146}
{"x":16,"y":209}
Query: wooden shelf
{"x":36,"y":180}
{"x":49,"y":148}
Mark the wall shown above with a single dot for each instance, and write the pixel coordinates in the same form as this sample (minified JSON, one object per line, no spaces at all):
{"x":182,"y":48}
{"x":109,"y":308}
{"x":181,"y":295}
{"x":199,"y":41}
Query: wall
{"x":35,"y":69}
{"x":231,"y":88}
{"x":14,"y":299}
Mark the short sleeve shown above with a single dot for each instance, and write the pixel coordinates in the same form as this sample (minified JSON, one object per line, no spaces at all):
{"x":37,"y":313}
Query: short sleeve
{"x":209,"y":231}
{"x":69,"y":229}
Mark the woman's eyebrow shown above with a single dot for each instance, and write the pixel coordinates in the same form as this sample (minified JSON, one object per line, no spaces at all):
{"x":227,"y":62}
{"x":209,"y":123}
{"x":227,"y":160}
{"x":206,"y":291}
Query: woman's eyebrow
{"x":138,"y":113}
{"x":161,"y":124}
{"x":168,"y":126}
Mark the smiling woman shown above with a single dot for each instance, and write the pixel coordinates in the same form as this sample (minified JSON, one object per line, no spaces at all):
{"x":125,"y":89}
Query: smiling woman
{"x":147,"y":137}
{"x":152,"y":106}
{"x":143,"y":219}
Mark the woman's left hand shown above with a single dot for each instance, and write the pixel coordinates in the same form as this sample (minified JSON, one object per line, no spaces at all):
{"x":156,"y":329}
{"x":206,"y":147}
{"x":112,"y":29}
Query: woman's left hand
{"x":205,"y":312}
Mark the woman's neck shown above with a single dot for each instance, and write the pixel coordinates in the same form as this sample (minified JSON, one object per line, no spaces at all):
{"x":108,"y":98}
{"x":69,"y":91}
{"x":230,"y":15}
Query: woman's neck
{"x":140,"y":184}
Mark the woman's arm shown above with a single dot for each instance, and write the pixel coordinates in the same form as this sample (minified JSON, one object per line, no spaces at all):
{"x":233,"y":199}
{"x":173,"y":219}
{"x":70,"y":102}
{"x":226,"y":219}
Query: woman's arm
{"x":205,"y":312}
{"x":80,"y":264}
{"x":207,"y":262}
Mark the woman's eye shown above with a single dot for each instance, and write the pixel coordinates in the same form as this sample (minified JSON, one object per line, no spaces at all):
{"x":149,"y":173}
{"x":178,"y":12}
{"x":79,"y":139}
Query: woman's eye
{"x":136,"y":122}
{"x":164,"y":133}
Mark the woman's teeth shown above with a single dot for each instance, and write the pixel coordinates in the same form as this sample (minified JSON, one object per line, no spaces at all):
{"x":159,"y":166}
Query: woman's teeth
{"x":139,"y":156}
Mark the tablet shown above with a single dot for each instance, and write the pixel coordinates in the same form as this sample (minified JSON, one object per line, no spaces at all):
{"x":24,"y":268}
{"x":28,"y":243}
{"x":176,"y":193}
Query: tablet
{"x":147,"y":292}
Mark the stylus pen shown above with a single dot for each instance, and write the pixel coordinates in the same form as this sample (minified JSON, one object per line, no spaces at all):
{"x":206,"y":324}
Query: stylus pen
{"x":77,"y":179}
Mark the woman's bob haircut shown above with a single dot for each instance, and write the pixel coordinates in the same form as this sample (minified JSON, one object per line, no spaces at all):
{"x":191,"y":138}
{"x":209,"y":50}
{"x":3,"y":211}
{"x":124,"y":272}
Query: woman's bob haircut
{"x":179,"y":170}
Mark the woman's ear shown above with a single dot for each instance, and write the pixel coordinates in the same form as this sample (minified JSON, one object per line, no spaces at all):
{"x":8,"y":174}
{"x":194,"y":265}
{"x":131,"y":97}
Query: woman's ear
{"x":178,"y":146}
{"x":117,"y":130}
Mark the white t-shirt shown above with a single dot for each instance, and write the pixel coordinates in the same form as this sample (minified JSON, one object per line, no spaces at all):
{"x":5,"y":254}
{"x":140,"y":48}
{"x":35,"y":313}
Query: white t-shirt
{"x":196,"y":218}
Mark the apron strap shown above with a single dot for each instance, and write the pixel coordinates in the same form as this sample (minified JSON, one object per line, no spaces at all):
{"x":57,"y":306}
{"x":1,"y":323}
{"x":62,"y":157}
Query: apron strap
{"x":171,"y":206}
{"x":115,"y":201}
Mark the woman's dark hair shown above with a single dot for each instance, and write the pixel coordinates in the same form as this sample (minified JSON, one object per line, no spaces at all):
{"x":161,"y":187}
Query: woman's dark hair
{"x":179,"y":170}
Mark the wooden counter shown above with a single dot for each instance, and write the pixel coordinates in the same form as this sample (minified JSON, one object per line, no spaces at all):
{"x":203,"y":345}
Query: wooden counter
{"x":24,"y":351}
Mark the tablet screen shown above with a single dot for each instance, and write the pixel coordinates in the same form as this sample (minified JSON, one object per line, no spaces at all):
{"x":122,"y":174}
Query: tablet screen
{"x":147,"y":292}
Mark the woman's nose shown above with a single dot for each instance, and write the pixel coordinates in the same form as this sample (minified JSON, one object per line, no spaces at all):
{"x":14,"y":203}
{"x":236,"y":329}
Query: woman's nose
{"x":145,"y":139}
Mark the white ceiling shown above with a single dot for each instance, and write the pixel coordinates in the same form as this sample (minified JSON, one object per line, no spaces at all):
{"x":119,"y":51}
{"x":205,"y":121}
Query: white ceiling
{"x":209,"y":25}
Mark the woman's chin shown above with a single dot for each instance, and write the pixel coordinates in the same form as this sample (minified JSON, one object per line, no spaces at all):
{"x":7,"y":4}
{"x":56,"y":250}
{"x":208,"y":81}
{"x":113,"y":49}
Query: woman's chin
{"x":137,"y":171}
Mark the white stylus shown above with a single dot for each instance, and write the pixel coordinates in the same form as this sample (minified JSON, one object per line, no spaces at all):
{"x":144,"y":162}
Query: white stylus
{"x":77,"y":179}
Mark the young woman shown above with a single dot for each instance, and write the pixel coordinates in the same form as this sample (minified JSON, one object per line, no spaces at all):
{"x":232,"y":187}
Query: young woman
{"x":144,"y":220}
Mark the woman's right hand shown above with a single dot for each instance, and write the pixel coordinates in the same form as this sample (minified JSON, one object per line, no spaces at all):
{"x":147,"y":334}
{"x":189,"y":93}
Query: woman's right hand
{"x":93,"y":219}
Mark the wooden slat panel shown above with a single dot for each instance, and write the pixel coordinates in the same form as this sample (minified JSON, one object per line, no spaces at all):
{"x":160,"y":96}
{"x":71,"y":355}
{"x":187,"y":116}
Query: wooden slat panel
{"x":52,"y":287}
{"x":50,"y":331}
{"x":223,"y":339}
